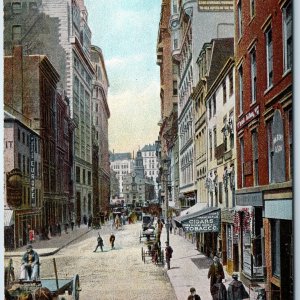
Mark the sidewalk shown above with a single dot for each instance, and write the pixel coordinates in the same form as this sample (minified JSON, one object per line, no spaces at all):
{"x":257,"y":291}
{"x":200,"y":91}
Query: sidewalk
{"x":50,"y":247}
{"x":189,"y":268}
{"x":184,"y":272}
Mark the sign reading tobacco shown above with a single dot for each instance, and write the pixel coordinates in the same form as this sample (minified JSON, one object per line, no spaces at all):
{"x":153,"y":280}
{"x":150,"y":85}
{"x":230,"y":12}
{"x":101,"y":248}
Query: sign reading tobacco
{"x":14,"y":188}
{"x":209,"y":222}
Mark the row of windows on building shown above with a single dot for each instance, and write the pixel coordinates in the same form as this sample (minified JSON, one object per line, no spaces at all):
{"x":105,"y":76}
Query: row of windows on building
{"x":148,"y":154}
{"x":211,"y":104}
{"x":24,"y":138}
{"x":81,"y":70}
{"x":186,"y":128}
{"x":212,"y":141}
{"x":147,"y":173}
{"x":16,"y":7}
{"x":27,"y":197}
{"x":82,"y":176}
{"x":97,"y":93}
{"x":148,"y":160}
{"x":123,"y":166}
{"x":287,"y":51}
{"x":24,"y":165}
{"x":288,"y":120}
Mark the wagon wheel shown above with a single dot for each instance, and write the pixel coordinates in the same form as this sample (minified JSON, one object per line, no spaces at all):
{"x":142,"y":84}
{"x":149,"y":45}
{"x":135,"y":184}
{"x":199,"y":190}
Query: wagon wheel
{"x":75,"y":288}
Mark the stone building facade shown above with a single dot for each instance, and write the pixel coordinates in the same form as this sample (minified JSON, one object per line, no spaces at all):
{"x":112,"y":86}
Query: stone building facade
{"x":22,"y":153}
{"x":100,"y":116}
{"x":122,"y":164}
{"x":187,"y":18}
{"x":150,"y":164}
{"x":139,"y":189}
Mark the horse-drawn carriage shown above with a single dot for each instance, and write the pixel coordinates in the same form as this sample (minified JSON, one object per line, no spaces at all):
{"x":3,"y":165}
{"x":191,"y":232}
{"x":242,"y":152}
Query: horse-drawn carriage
{"x":41,"y":289}
{"x":153,"y":251}
{"x":149,"y":234}
{"x":152,"y":248}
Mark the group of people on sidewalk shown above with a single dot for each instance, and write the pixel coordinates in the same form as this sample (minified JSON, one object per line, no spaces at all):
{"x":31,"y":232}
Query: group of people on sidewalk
{"x":236,"y":289}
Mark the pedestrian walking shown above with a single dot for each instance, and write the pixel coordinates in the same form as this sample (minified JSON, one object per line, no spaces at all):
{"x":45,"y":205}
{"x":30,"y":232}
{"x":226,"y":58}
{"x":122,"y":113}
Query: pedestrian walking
{"x":117,"y":222}
{"x":72,"y":225}
{"x":78,"y":221}
{"x":85,"y":220}
{"x":99,"y":243}
{"x":168,"y":254}
{"x":90,"y":221}
{"x":112,"y":240}
{"x":66,"y":227}
{"x":215,"y":269}
{"x":155,"y":250}
{"x":193,"y":295}
{"x":218,"y":290}
{"x":58,"y":229}
{"x":171,"y":226}
{"x":236,"y":289}
{"x":159,"y":228}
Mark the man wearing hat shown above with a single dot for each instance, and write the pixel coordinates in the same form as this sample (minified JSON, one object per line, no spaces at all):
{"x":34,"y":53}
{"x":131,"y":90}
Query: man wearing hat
{"x":30,"y":264}
{"x":168,"y":252}
{"x":193,"y":295}
{"x":236,"y":289}
{"x":215,"y":270}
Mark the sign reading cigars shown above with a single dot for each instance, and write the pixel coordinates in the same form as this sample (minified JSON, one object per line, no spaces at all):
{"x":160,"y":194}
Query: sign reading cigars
{"x":209,"y":222}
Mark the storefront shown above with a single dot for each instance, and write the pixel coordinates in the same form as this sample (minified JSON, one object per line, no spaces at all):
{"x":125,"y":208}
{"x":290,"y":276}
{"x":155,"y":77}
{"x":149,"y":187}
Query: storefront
{"x":248,"y":237}
{"x":227,"y":241}
{"x":205,"y":224}
{"x":278,"y":226}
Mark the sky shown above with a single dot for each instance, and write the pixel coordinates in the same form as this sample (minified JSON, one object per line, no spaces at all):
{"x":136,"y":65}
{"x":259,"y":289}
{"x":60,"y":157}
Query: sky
{"x":126,"y":31}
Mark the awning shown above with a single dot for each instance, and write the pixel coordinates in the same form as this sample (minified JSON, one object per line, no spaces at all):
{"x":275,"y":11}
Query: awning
{"x":197,"y":207}
{"x":8,"y":217}
{"x":205,"y":220}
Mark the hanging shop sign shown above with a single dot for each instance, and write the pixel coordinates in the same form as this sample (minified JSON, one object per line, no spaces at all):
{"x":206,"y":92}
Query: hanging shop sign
{"x":248,"y":117}
{"x":32,"y":171}
{"x":14,"y":188}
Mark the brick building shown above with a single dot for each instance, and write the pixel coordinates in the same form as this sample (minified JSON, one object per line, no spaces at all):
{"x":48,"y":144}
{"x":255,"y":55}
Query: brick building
{"x":30,"y":93}
{"x":59,"y":29}
{"x":264,"y":197}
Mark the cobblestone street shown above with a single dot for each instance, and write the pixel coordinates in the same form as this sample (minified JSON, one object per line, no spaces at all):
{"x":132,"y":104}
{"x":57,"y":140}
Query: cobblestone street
{"x":111,"y":274}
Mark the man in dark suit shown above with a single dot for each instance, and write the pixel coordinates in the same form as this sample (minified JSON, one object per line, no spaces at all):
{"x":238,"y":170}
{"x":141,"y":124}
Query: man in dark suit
{"x":214,"y":271}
